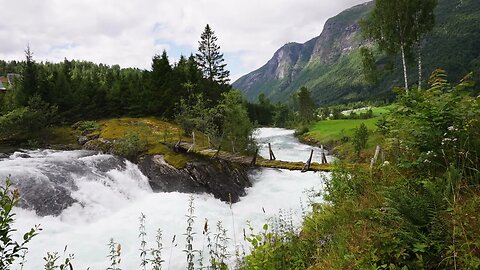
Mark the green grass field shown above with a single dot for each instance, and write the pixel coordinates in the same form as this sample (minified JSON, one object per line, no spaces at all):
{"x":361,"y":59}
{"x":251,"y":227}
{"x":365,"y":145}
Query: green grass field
{"x":332,"y":131}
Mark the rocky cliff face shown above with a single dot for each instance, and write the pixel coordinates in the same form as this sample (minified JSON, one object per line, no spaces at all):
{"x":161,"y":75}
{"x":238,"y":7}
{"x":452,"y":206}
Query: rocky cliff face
{"x":339,"y":37}
{"x":290,"y":61}
{"x":225,"y":180}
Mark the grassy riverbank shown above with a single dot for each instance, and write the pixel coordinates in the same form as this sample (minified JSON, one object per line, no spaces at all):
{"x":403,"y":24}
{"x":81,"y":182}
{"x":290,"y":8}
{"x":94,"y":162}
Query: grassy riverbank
{"x":337,"y":134}
{"x":332,"y":132}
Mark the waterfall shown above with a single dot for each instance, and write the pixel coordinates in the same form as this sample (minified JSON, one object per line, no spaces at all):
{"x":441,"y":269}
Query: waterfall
{"x":105,"y":196}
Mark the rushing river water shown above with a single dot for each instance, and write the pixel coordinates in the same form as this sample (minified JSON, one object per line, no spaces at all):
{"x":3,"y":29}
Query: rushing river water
{"x":110,"y":194}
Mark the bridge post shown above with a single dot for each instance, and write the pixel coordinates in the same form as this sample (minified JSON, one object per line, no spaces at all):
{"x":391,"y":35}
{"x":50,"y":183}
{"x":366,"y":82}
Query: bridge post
{"x":323,"y":157}
{"x":272,"y":156}
{"x":309,"y":162}
{"x":254,"y":159}
{"x":193,"y":142}
{"x":218,"y":151}
{"x":176,"y":147}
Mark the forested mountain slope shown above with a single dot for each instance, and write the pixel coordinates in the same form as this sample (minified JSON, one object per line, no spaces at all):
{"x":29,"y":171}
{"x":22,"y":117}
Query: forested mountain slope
{"x":330,"y":64}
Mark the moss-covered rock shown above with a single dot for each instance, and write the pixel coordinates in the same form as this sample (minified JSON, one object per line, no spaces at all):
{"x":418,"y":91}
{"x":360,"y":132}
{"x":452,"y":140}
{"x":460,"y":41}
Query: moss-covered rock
{"x":101,"y":145}
{"x":225,"y":180}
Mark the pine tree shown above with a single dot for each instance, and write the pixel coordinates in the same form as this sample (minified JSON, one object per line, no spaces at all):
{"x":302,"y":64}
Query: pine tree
{"x":29,"y":80}
{"x":209,"y":59}
{"x":161,"y":99}
{"x":160,"y":68}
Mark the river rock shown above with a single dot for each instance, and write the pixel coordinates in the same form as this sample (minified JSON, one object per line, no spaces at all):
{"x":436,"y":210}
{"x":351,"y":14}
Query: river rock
{"x":46,"y":200}
{"x":225,"y":180}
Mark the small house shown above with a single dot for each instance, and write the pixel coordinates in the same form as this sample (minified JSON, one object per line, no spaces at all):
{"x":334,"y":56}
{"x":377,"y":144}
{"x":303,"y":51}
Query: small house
{"x":7,"y":82}
{"x":3,"y":82}
{"x":11,"y":77}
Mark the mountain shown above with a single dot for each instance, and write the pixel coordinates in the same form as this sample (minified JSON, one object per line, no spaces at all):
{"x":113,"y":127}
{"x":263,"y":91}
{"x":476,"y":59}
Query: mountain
{"x":331,"y":66}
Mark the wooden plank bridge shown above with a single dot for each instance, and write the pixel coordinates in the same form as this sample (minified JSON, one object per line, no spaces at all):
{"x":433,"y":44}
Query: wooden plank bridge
{"x":257,"y":161}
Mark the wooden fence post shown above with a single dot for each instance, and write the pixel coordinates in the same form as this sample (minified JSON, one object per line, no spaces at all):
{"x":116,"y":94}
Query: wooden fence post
{"x":375,"y":157}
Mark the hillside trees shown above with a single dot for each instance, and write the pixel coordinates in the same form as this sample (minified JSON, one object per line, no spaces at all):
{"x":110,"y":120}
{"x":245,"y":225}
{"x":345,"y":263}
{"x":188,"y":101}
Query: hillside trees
{"x":225,"y":124}
{"x":265,"y":113}
{"x":84,"y":90}
{"x":306,"y":106}
{"x":396,"y":26}
{"x":80,"y":90}
{"x":369,"y":66}
{"x":261,"y":112}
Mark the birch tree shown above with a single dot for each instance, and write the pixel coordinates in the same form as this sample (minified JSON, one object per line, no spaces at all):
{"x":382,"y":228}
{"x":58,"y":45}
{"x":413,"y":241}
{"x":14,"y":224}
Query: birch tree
{"x":424,"y":21}
{"x":397,"y":25}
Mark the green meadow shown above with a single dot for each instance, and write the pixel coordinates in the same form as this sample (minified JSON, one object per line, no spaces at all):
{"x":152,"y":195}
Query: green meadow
{"x":333,"y":131}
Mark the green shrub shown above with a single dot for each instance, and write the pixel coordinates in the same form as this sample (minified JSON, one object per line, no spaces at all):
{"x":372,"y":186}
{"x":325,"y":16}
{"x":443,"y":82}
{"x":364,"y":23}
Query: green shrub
{"x":360,"y":138}
{"x":11,"y":250}
{"x":129,"y":146}
{"x":24,"y":123}
{"x":274,"y":249}
{"x":86,"y":126}
{"x":301,"y":130}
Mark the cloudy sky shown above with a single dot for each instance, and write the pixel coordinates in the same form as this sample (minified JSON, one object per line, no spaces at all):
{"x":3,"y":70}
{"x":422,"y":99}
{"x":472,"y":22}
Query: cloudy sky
{"x":129,"y":33}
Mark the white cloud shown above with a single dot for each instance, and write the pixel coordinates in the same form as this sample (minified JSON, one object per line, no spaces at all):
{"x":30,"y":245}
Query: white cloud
{"x":129,"y":33}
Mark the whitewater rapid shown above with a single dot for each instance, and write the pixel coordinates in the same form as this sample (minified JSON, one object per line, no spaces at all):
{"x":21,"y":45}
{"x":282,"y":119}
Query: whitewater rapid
{"x":286,"y":146}
{"x":110,"y":198}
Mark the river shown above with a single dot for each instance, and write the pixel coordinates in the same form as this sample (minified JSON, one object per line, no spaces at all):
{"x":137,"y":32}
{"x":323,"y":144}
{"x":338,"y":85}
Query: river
{"x":110,"y":194}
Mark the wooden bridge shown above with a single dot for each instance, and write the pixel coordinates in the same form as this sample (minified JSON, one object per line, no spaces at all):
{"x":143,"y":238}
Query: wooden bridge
{"x":257,"y":161}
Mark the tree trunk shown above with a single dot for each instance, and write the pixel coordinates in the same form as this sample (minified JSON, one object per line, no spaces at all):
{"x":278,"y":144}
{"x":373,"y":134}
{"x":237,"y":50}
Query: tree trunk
{"x":404,"y":67}
{"x":419,"y":66}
